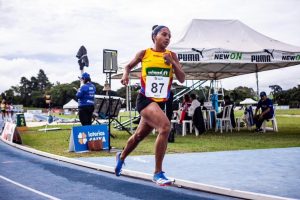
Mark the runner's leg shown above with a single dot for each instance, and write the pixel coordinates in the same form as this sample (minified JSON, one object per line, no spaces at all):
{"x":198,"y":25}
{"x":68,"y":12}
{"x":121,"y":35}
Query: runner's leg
{"x":156,"y":118}
{"x":141,"y":132}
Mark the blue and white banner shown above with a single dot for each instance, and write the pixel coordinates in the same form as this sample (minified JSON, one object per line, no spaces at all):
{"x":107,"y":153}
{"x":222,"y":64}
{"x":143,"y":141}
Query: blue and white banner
{"x":82,"y":134}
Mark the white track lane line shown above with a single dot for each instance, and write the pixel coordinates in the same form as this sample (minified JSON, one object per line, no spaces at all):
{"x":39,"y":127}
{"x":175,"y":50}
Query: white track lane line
{"x":30,"y":189}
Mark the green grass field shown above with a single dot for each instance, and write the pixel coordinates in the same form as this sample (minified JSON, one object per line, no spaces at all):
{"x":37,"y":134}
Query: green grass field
{"x":57,"y":142}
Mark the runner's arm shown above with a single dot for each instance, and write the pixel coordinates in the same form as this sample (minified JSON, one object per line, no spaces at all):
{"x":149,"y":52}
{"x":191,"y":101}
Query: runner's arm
{"x":179,"y":73}
{"x":136,"y":60}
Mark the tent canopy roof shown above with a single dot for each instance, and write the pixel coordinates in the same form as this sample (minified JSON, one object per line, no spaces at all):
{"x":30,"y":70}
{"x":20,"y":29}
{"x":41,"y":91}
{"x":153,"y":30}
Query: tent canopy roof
{"x":229,"y":35}
{"x":248,"y":101}
{"x":218,"y":49}
{"x":71,"y":104}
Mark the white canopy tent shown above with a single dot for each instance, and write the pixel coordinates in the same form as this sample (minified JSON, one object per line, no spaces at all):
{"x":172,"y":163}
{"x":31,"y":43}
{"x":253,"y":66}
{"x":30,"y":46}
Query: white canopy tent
{"x":72,"y":104}
{"x":217,"y":49}
{"x":248,"y":101}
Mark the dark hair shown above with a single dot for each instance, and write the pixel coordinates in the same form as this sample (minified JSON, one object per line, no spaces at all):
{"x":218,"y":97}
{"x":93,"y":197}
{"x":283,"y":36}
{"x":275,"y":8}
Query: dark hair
{"x":193,"y":96}
{"x":226,"y":97}
{"x":85,"y":80}
{"x":153,"y":27}
{"x":186,"y":98}
{"x":156,"y":29}
{"x":202,"y":102}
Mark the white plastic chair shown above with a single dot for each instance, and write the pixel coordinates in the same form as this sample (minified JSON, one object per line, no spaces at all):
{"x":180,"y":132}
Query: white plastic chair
{"x":244,"y":118}
{"x":274,"y":123}
{"x":225,"y":120}
{"x":206,"y":119}
{"x":211,"y":114}
{"x":238,"y":122}
{"x":184,"y":123}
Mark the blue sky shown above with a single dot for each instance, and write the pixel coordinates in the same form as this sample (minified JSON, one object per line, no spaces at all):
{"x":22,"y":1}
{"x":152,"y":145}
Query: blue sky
{"x":46,"y":34}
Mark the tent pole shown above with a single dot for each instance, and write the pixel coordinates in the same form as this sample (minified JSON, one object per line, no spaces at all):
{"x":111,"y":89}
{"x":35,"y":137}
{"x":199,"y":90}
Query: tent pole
{"x":129,"y":100}
{"x":256,"y":73}
{"x":214,"y":95}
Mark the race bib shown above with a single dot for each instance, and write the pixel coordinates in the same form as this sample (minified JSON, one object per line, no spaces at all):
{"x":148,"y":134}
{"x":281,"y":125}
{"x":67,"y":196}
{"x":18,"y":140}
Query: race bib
{"x":157,"y":82}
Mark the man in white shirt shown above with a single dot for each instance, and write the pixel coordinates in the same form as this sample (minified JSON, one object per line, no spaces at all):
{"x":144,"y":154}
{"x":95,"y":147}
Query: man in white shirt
{"x":194,"y":105}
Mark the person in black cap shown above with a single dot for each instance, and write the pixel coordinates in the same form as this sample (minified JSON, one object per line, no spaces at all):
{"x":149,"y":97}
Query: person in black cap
{"x":85,"y":96}
{"x":267,"y":111}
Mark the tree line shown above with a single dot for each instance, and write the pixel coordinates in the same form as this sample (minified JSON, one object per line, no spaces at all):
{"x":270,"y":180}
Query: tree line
{"x":31,"y":92}
{"x":289,"y":97}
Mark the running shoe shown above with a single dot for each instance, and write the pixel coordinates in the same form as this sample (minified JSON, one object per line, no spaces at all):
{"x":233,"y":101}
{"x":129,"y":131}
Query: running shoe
{"x":160,"y":179}
{"x":120,"y":164}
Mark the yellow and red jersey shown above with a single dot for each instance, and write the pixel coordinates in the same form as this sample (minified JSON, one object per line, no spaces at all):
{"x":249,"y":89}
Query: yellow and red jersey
{"x":157,"y":76}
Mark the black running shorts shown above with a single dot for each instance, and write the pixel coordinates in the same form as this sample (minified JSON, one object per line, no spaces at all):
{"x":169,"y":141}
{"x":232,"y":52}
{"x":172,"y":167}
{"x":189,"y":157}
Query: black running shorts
{"x":142,"y":102}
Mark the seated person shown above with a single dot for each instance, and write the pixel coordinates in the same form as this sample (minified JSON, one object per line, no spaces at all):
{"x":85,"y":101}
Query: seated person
{"x":184,"y":108}
{"x":228,"y":102}
{"x":267,"y":111}
{"x":202,"y":105}
{"x":203,"y":108}
{"x":190,"y":107}
{"x":195,"y":103}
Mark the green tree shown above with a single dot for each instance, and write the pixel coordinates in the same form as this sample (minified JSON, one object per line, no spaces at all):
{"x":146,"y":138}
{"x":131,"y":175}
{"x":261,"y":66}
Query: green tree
{"x":38,"y":99}
{"x":9,"y":95}
{"x":294,"y":97}
{"x":62,"y":93}
{"x":25,"y":91}
{"x":289,"y":97}
{"x":121,"y":92}
{"x":3,"y":96}
{"x":99,"y":88}
{"x":14,"y":94}
{"x":276,"y":89}
{"x":240,"y":93}
{"x":43,"y":81}
{"x":34,"y":83}
{"x":31,"y":92}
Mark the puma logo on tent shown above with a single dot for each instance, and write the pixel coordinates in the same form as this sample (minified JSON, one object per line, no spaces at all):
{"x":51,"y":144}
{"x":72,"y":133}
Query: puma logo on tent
{"x":271,"y":53}
{"x":200,"y":52}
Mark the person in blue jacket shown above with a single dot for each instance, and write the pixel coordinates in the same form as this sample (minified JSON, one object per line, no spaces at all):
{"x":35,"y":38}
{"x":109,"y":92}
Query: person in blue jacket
{"x":85,"y":96}
{"x":267,"y":111}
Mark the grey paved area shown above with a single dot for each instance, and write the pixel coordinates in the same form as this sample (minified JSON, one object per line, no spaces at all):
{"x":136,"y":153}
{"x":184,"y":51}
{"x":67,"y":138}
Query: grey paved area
{"x":267,"y":171}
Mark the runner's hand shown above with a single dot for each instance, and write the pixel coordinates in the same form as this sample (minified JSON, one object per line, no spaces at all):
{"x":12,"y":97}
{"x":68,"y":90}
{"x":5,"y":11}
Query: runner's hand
{"x":168,"y":58}
{"x":125,"y":79}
